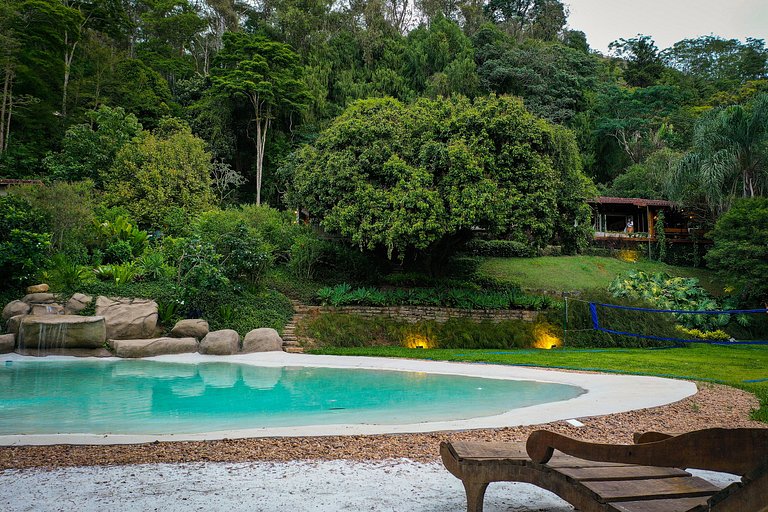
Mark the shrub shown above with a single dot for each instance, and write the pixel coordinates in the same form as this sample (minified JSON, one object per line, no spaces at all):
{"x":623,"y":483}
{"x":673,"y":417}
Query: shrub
{"x":118,"y":251}
{"x":340,"y":330}
{"x":306,"y":255}
{"x":740,"y":253}
{"x":152,"y":265}
{"x":503,"y":298}
{"x":64,"y":275}
{"x":500,"y":249}
{"x":247,"y":309}
{"x":23,"y":241}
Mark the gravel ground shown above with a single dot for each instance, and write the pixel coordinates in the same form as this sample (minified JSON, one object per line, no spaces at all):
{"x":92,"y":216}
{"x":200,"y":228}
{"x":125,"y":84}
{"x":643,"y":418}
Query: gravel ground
{"x":384,"y":473}
{"x":712,"y":406}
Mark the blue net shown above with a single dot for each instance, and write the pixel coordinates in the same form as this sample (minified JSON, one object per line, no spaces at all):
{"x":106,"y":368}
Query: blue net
{"x":723,"y":315}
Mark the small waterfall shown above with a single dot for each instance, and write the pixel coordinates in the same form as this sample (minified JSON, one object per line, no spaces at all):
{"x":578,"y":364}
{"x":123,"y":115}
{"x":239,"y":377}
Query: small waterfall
{"x":49,"y":338}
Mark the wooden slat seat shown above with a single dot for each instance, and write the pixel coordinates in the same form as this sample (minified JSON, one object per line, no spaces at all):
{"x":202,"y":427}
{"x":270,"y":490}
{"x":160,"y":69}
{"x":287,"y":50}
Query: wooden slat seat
{"x":644,"y":477}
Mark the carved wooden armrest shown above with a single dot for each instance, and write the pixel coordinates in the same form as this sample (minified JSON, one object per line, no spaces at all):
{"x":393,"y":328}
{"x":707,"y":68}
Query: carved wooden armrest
{"x":652,"y":437}
{"x":736,"y":451}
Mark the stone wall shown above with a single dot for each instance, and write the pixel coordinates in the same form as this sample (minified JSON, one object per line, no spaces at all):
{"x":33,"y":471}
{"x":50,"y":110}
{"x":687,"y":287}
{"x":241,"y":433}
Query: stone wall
{"x":413,"y":314}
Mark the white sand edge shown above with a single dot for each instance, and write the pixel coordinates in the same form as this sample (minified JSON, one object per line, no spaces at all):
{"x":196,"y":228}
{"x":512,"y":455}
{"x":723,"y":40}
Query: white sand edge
{"x":605,"y":394}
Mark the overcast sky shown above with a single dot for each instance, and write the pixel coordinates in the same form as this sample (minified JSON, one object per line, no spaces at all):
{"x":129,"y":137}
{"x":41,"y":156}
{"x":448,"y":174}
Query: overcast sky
{"x":667,"y":21}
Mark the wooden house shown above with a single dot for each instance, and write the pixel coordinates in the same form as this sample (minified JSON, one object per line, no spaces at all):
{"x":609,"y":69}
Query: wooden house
{"x":634,"y":219}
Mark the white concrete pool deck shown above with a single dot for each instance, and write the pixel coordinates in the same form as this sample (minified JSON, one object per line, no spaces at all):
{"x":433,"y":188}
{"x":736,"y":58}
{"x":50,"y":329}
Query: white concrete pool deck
{"x":604,"y":394}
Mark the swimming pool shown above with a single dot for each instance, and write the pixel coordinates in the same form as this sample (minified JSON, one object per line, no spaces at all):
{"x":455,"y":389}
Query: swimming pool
{"x":604,"y":394}
{"x":152,"y":397}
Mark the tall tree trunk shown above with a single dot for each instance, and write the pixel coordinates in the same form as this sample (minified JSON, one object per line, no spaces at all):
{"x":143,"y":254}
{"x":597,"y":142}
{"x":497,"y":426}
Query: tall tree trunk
{"x":8,"y":122}
{"x":262,"y":125}
{"x":6,"y":100}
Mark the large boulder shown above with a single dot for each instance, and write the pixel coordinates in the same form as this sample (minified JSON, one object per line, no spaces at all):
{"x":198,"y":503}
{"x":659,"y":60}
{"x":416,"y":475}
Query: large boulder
{"x":7,"y":343}
{"x":37,"y":288}
{"x":39,"y":298}
{"x":262,"y":340}
{"x":14,"y":324}
{"x":14,"y":308}
{"x":62,"y":331}
{"x":47,"y":309}
{"x":128,"y":319}
{"x":77,"y":303}
{"x":195,"y":328}
{"x":221,"y":343}
{"x":153,"y":347}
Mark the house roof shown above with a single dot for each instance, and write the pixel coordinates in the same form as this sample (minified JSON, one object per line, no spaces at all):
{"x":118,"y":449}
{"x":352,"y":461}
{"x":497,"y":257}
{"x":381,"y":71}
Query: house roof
{"x":635,"y":201}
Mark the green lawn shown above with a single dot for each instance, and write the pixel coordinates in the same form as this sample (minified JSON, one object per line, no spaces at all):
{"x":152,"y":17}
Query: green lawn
{"x":734,"y":366}
{"x":567,"y":273}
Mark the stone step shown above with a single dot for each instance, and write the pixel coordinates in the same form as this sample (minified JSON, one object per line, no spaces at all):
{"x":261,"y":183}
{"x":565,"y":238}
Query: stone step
{"x":294,"y":350}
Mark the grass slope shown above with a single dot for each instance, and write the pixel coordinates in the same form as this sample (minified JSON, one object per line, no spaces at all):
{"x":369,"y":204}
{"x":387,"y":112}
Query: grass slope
{"x":734,"y":366}
{"x":567,"y":273}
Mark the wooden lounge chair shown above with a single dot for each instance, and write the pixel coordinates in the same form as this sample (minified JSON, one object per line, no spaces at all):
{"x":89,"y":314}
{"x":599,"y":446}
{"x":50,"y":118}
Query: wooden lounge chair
{"x":648,"y":476}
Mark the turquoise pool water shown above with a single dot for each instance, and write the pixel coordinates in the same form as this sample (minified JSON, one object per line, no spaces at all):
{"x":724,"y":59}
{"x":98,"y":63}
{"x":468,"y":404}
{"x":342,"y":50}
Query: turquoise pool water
{"x":149,"y":397}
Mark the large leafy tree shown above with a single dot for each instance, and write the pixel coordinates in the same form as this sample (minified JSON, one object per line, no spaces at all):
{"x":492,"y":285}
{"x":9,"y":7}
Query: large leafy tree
{"x":717,"y":64}
{"x":159,"y":172}
{"x":740,"y":253}
{"x":729,"y":158}
{"x":553,"y":79}
{"x":643,"y":64}
{"x":414,"y":180}
{"x":89,"y":149}
{"x":267,"y":74}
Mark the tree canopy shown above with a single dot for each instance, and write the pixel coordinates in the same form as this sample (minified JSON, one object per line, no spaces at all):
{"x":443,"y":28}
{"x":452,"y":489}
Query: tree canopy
{"x":413,"y":178}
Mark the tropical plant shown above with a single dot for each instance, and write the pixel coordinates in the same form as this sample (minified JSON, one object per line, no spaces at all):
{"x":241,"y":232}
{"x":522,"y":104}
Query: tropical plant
{"x":65,"y":275}
{"x":673,"y":293}
{"x":729,"y":157}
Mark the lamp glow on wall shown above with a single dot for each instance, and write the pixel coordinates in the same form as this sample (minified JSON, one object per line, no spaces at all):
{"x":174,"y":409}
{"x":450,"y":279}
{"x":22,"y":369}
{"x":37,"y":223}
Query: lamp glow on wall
{"x":418,"y":341}
{"x":544,"y":339}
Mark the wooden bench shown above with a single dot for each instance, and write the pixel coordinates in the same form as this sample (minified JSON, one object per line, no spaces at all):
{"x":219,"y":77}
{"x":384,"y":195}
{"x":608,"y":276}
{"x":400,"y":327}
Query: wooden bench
{"x":648,"y":476}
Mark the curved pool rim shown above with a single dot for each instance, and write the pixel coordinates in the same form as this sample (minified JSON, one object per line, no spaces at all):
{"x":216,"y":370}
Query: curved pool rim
{"x":605,"y":394}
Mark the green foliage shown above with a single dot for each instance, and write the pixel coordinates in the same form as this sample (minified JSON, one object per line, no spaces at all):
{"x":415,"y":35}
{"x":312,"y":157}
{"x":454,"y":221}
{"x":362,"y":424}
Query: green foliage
{"x":500,"y":248}
{"x":307,"y":252}
{"x":245,"y":254}
{"x":88,"y":150}
{"x":118,"y":251}
{"x":643,"y":65}
{"x":199,"y":272}
{"x":119,"y":238}
{"x":665,"y":292}
{"x":339,"y":330}
{"x":23,"y":247}
{"x":506,"y":298}
{"x":247,"y":309}
{"x":68,"y":210}
{"x":554,"y":80}
{"x":157,"y":173}
{"x":740,"y":254}
{"x":728,"y":158}
{"x":64,"y":275}
{"x":141,"y":91}
{"x":152,"y":265}
{"x":409,"y":178}
{"x":649,"y":179}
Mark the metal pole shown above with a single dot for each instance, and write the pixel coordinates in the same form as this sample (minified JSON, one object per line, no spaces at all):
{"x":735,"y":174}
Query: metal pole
{"x":565,"y":320}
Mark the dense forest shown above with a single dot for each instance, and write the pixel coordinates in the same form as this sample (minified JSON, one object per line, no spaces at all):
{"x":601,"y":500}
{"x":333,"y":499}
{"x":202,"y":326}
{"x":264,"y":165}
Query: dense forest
{"x":154,"y":111}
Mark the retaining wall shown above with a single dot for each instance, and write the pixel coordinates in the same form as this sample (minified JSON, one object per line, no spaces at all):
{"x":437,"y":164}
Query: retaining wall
{"x":413,"y":314}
